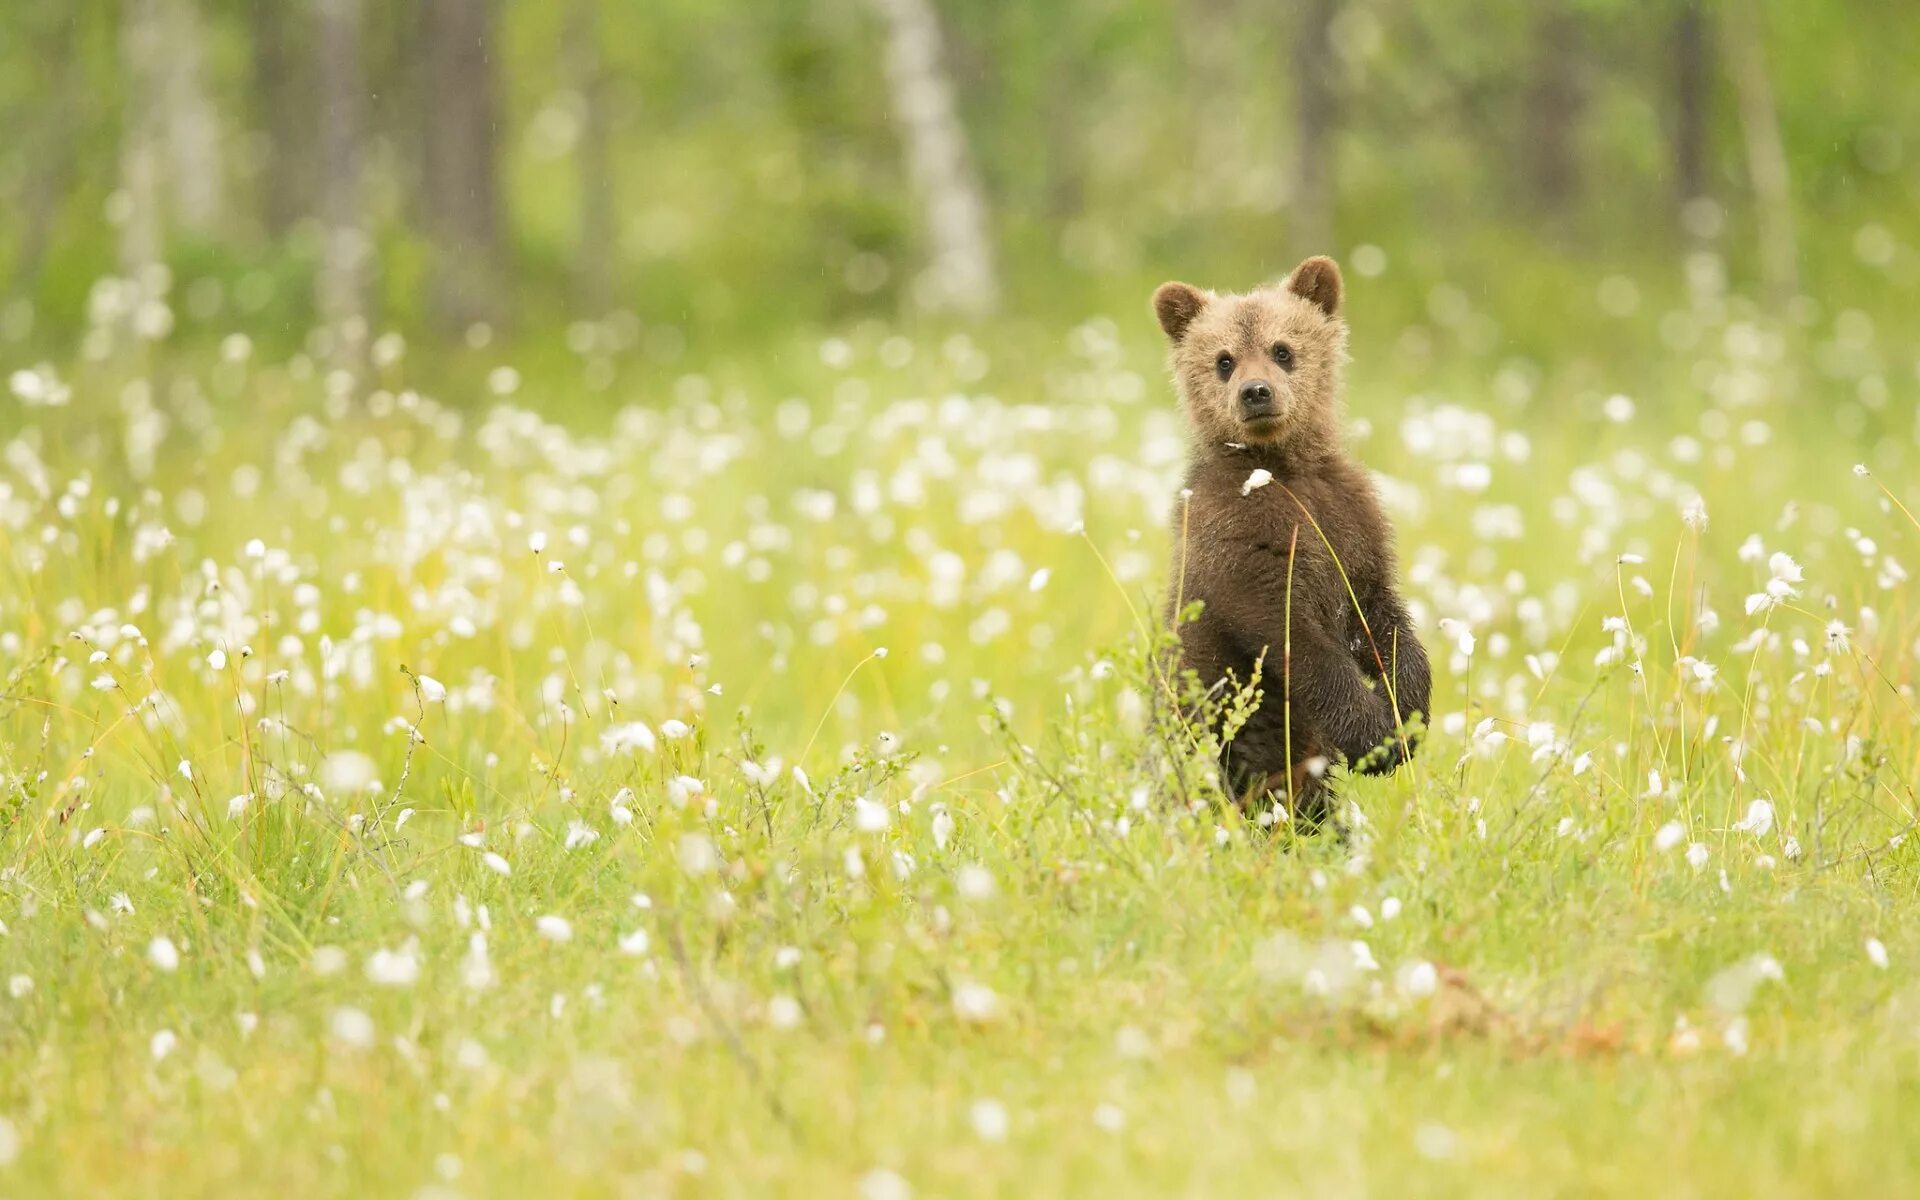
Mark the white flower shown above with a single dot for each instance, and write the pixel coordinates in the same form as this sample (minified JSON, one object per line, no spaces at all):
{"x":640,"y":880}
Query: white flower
{"x":1260,"y":478}
{"x":683,"y":789}
{"x":554,"y":929}
{"x":394,"y":968}
{"x":1419,"y":979}
{"x":345,"y":771}
{"x":882,"y":1184}
{"x":627,"y":738}
{"x":496,"y":864}
{"x":635,"y":943}
{"x":989,"y":1120}
{"x":1363,"y":959}
{"x":431,"y":689}
{"x":476,"y":969}
{"x":351,"y":1028}
{"x":1837,"y":635}
{"x":674,"y":730}
{"x":163,"y":955}
{"x":1697,"y":855}
{"x":162,"y":1044}
{"x":1038,"y":579}
{"x":783,"y":1012}
{"x":762,"y":774}
{"x":1670,"y":835}
{"x":579,"y":834}
{"x":1461,"y":633}
{"x":1759,"y":819}
{"x":976,"y":883}
{"x":697,"y":854}
{"x":328,"y":960}
{"x":974,"y":1003}
{"x":869,"y":817}
{"x":1877,"y":952}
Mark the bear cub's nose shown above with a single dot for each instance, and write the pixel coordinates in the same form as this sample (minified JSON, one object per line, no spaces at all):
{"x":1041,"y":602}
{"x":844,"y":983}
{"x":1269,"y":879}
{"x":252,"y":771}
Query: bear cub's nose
{"x":1256,"y":398}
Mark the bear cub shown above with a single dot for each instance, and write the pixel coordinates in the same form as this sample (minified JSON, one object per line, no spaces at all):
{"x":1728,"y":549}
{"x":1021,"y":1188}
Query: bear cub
{"x":1278,"y":533}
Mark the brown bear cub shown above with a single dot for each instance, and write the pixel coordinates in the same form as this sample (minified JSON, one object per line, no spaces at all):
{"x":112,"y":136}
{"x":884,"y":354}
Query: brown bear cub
{"x":1281,"y":538}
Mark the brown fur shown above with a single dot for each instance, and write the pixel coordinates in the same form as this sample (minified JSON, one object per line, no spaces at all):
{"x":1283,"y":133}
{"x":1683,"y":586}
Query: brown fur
{"x":1280,"y":568}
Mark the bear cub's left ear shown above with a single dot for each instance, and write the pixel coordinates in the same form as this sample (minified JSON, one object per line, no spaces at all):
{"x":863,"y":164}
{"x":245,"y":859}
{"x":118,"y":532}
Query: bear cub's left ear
{"x":1317,"y":280}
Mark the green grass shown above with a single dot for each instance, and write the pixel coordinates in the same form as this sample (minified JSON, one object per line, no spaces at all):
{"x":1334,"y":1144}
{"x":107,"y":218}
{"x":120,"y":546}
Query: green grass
{"x":1002,"y":937}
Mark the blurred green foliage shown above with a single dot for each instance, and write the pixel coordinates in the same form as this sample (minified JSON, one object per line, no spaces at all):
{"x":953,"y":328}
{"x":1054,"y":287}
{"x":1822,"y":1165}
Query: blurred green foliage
{"x":756,"y":179}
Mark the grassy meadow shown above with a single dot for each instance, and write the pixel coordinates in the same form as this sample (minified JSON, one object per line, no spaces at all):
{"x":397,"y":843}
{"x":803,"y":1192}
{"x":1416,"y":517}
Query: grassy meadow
{"x":750,"y":776}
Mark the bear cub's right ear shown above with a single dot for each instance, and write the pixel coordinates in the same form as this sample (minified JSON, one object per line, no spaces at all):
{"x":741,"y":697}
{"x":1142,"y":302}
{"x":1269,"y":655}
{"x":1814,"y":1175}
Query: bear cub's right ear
{"x":1177,"y":304}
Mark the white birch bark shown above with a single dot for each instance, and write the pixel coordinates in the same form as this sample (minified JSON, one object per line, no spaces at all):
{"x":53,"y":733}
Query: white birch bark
{"x":959,"y":276}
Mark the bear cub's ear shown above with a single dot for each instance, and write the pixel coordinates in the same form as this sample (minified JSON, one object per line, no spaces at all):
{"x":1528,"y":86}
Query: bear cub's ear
{"x":1177,"y":304}
{"x":1317,"y":280}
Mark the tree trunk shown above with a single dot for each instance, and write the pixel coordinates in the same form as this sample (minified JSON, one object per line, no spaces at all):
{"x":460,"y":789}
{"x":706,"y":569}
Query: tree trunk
{"x":283,"y":112}
{"x":51,"y":156}
{"x":1316,"y":110}
{"x":340,"y":289}
{"x":960,"y":275}
{"x":140,"y":177}
{"x":1766,"y":155}
{"x":1554,"y":103}
{"x":460,"y":178}
{"x":1692,"y":98}
{"x":598,"y":247}
{"x":196,"y":170}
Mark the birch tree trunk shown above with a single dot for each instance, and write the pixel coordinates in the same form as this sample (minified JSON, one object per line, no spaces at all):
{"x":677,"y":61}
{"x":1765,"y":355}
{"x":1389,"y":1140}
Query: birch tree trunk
{"x":1766,"y":155}
{"x":1554,"y":103}
{"x":959,"y":276}
{"x":1315,"y":113}
{"x":1692,"y":100}
{"x":139,"y":215}
{"x":598,"y":246}
{"x":283,"y":104}
{"x":196,"y":167}
{"x":460,"y":181}
{"x":340,"y":288}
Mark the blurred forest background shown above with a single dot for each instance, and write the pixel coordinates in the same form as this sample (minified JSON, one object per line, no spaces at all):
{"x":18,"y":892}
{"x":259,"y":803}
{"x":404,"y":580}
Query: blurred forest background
{"x":686,"y":175}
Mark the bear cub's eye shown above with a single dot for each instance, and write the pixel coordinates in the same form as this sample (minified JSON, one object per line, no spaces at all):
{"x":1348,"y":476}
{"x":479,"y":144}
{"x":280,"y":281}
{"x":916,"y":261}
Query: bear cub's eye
{"x":1283,"y":354}
{"x":1224,"y":364}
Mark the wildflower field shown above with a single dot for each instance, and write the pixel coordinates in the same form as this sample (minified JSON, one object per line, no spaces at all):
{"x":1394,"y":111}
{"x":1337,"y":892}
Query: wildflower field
{"x":752,"y":774}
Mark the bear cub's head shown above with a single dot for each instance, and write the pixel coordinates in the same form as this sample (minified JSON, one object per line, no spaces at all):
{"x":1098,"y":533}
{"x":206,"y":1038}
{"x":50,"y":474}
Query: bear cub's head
{"x":1261,"y":369}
